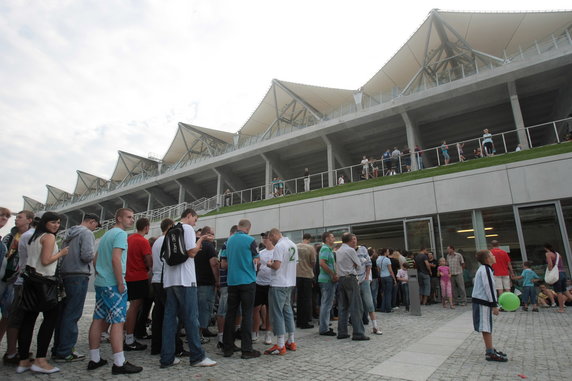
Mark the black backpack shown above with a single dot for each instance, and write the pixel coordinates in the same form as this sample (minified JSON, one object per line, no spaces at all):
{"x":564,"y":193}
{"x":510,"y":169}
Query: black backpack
{"x":173,"y":250}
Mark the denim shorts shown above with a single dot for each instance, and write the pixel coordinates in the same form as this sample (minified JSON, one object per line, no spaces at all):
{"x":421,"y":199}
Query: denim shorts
{"x":6,"y":297}
{"x":222,"y":302}
{"x":529,"y":295}
{"x":110,"y":305}
{"x":560,"y":285}
{"x":424,"y":283}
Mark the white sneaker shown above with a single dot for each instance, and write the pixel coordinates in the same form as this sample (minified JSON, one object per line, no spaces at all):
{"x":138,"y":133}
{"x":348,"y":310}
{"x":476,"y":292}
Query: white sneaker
{"x":37,"y":369}
{"x":206,"y":362}
{"x":268,"y":339}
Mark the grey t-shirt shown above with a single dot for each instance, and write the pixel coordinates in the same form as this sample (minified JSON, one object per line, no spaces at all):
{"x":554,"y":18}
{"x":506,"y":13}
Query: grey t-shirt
{"x":420,"y":263}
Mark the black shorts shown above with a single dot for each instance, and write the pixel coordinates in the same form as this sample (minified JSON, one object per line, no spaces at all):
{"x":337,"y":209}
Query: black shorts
{"x":138,"y":289}
{"x":261,"y":295}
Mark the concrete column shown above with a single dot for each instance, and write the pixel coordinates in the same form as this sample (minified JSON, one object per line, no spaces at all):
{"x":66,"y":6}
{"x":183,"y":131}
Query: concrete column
{"x":181,"y":192}
{"x":149,"y":200}
{"x":219,"y":185}
{"x":479,"y":230}
{"x":123,"y":201}
{"x":101,"y":212}
{"x":330,"y":160}
{"x":412,"y":139}
{"x":517,"y":114}
{"x":267,"y":177}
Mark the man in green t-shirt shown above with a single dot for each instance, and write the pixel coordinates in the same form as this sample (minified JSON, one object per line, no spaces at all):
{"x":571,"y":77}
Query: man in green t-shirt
{"x":326,"y":280}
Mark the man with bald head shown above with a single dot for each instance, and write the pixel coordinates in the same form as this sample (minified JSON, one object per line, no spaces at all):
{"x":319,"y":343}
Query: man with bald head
{"x":240,"y":257}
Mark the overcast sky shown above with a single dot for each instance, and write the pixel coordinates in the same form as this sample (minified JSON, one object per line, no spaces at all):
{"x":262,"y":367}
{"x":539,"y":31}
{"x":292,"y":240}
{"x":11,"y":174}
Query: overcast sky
{"x":83,"y":79}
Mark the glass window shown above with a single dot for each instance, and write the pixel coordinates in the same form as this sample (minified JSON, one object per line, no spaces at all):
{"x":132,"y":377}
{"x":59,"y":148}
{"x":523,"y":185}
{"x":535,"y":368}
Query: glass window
{"x":500,"y":226}
{"x":457,"y":231}
{"x":295,"y":235}
{"x":381,"y":234}
{"x":567,"y":212}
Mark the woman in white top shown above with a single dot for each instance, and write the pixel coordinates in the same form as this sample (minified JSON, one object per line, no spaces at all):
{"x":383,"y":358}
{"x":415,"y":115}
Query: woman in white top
{"x":43,"y":256}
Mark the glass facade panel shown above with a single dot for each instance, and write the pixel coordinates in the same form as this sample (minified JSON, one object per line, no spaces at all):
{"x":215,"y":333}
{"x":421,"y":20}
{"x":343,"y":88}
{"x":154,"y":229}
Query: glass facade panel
{"x":500,"y":225}
{"x":457,"y":231}
{"x":294,"y":235}
{"x":567,"y":212}
{"x":420,"y":235}
{"x":539,"y":226}
{"x":381,"y":234}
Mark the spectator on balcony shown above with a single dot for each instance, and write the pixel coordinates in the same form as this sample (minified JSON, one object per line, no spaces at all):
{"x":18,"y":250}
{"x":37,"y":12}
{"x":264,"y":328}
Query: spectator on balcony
{"x":341,"y":180}
{"x":419,"y":154}
{"x":227,"y":197}
{"x":373,"y":168}
{"x":406,"y":159}
{"x":488,"y":146}
{"x":386,"y":157}
{"x":395,"y":162}
{"x":477,"y":153}
{"x":365,"y":167}
{"x":445,"y":152}
{"x":460,"y":151}
{"x":306,"y":180}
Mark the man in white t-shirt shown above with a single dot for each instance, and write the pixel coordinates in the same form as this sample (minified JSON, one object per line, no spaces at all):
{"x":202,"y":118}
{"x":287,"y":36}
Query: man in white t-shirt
{"x":283,"y":265}
{"x":180,"y":284}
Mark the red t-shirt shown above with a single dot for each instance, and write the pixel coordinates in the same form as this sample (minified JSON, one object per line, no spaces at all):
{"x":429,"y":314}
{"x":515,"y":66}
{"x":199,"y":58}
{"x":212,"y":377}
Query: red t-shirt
{"x":500,"y":268}
{"x":137,"y":248}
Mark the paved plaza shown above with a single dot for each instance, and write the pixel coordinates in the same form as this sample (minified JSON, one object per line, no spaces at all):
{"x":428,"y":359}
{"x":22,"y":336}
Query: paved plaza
{"x":440,"y":345}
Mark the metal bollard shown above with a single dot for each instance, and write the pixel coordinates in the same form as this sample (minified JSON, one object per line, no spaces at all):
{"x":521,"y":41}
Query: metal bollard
{"x":414,"y":302}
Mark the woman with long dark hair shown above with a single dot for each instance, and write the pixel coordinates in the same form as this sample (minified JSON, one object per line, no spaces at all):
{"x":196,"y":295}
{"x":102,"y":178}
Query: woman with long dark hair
{"x":43,"y":258}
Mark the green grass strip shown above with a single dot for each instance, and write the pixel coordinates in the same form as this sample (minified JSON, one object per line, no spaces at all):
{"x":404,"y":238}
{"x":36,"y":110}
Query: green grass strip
{"x":485,"y":162}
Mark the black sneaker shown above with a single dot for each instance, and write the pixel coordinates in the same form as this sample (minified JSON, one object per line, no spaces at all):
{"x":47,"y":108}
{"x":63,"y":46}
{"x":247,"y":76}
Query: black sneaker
{"x":343,"y":336}
{"x":94,"y":365}
{"x":495,"y":357}
{"x":127,"y":368}
{"x":11,"y":361}
{"x":328,"y":333}
{"x":501,"y":353}
{"x":360,"y":338}
{"x":135,"y":346}
{"x":250,"y":354}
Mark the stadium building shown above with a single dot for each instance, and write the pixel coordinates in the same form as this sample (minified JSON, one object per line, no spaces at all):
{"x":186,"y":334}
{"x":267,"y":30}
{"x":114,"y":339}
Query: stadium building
{"x":459,"y":73}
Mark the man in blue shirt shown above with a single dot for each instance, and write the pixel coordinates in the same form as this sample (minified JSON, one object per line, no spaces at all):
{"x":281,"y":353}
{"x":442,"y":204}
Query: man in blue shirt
{"x":111,"y":295}
{"x":241,"y":256}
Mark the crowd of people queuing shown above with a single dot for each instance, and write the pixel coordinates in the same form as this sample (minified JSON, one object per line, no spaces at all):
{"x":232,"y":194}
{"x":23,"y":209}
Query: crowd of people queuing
{"x":251,"y":291}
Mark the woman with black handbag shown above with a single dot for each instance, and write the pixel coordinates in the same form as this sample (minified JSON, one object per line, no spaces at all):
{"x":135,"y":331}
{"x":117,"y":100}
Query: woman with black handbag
{"x":40,"y":285}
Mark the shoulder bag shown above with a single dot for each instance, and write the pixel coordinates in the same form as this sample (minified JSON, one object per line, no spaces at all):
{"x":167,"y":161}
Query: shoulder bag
{"x":551,"y":276}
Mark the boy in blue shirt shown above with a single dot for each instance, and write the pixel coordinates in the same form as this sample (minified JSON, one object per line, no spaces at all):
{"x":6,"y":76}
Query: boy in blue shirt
{"x":528,"y":277}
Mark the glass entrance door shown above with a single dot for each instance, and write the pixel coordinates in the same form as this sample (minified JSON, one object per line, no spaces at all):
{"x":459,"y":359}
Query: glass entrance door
{"x":539,"y":224}
{"x":418,"y":234}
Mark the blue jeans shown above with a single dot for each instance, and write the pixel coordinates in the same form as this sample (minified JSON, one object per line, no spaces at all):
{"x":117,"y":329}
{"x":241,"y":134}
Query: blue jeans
{"x":206,"y":296}
{"x":365,"y":291}
{"x":374,"y":291}
{"x":71,"y":309}
{"x":349,"y":304}
{"x":529,"y":295}
{"x":327,"y":295}
{"x":181,"y":301}
{"x":405,"y":293}
{"x":387,"y":288}
{"x":281,"y":314}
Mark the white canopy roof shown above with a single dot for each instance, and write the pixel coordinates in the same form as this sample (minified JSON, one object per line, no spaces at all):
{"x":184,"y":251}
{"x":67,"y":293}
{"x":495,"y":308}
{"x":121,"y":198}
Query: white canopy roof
{"x":294,"y":102}
{"x":56,"y":195}
{"x":490,"y":33}
{"x":31,"y":204}
{"x":191,"y":141}
{"x":87,"y":182}
{"x":129,"y":165}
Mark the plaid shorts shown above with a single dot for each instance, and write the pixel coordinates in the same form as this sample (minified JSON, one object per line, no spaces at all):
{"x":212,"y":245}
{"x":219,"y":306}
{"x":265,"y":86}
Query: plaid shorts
{"x":110,"y":305}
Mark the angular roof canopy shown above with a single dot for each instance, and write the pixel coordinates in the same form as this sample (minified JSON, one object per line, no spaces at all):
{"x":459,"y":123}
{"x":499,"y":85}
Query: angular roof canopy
{"x":129,"y":165}
{"x":87,"y":182}
{"x":31,"y":204}
{"x":446,"y":40}
{"x":194,"y":141}
{"x":56,"y":195}
{"x":294,"y":104}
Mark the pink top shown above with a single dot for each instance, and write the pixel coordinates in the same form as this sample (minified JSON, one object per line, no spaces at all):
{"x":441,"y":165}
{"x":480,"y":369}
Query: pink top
{"x":445,"y":274}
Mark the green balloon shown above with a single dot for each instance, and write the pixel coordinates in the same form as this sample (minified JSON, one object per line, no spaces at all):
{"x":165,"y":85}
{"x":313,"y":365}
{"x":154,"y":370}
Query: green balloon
{"x":509,"y":301}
